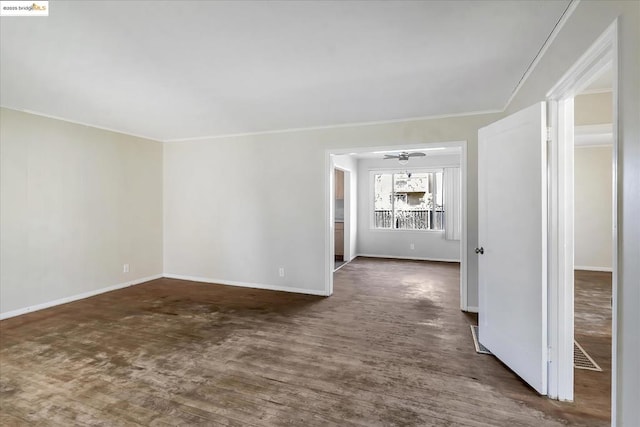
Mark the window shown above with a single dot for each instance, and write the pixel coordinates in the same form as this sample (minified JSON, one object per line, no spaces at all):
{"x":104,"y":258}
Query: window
{"x":408,"y":200}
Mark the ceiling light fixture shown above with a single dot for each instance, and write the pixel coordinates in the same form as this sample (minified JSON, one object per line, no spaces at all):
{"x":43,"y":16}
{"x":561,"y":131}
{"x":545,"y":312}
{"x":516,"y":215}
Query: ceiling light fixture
{"x":403,"y":158}
{"x":416,"y":150}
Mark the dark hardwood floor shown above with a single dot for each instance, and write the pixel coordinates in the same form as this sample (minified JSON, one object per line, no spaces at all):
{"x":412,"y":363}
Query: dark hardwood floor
{"x":390,"y":347}
{"x":592,"y":330}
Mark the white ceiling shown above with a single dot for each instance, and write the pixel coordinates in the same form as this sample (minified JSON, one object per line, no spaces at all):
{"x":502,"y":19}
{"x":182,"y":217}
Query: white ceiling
{"x":602,"y":83}
{"x":177,"y":70}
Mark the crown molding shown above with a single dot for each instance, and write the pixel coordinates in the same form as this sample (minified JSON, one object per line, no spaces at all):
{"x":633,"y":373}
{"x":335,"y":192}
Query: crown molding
{"x":593,"y":135}
{"x":340,"y":126}
{"x":545,"y":46}
{"x":76,"y":122}
{"x":595,"y":91}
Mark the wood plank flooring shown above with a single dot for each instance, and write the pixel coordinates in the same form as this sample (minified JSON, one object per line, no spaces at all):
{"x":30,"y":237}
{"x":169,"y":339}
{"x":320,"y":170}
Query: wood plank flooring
{"x":593,"y":331}
{"x":390,"y":347}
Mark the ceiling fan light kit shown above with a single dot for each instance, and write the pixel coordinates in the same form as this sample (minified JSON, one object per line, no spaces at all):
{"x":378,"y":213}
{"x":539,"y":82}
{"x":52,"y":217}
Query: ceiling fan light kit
{"x":403,"y":158}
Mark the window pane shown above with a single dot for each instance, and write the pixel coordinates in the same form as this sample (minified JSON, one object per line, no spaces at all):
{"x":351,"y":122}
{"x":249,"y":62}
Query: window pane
{"x":416,"y":183}
{"x":383,"y":200}
{"x":409,"y":201}
{"x":412,"y":198}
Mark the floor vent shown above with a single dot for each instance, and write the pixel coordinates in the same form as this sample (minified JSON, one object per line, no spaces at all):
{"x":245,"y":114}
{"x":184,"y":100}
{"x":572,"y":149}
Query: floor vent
{"x":479,"y":347}
{"x":582,"y":360}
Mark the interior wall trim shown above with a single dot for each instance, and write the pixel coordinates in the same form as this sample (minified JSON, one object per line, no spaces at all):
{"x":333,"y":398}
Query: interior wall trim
{"x":76,"y":122}
{"x":412,"y":258}
{"x":592,"y":268}
{"x":246,"y":284}
{"x":65,"y":300}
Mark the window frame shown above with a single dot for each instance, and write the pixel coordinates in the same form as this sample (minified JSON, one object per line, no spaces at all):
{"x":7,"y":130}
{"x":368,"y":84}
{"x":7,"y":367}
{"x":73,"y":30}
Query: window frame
{"x":371,"y":196}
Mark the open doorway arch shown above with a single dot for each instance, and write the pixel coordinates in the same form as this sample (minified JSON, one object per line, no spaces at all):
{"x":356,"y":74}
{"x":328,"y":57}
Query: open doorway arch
{"x":329,"y":207}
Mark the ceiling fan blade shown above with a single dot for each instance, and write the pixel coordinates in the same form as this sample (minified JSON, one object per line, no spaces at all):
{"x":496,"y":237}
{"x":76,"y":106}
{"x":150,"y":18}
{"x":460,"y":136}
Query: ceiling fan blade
{"x":389,"y":156}
{"x":418,"y":154}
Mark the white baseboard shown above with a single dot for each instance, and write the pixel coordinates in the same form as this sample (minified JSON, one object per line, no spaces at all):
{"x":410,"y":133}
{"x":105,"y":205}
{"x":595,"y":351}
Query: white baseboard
{"x":341,"y":265}
{"x":412,"y":258}
{"x":589,"y":268}
{"x":32,"y":308}
{"x":471,"y":309}
{"x":246,"y":284}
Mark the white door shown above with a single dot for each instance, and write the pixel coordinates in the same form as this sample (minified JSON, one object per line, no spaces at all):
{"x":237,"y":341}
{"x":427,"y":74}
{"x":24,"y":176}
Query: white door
{"x":512,"y":253}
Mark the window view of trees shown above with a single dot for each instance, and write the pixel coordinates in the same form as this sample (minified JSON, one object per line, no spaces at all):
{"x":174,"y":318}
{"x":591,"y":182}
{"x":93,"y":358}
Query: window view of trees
{"x":408,"y":201}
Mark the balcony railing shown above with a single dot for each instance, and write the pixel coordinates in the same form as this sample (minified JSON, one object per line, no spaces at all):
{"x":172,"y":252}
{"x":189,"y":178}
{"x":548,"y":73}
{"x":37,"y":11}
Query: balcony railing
{"x":410,"y":220}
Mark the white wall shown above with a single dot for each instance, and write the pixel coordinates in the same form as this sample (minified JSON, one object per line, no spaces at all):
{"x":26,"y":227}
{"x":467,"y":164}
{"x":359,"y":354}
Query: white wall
{"x":593,"y":188}
{"x":276,"y":186}
{"x":76,"y":204}
{"x":350,"y":164}
{"x":585,"y":25}
{"x":593,"y":208}
{"x":429,"y":245}
{"x":593,"y":109}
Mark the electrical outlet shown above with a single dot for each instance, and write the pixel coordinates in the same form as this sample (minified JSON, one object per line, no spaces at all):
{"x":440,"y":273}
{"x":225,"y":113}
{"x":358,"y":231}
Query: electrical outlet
{"x":412,"y":246}
{"x":125,"y":268}
{"x":281,"y":271}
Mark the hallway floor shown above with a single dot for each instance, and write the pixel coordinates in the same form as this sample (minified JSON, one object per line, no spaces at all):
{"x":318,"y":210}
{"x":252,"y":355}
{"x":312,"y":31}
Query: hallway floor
{"x":592,"y":330}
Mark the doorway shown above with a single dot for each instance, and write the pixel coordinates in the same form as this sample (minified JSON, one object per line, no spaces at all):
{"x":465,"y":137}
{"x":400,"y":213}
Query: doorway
{"x":362,"y":214}
{"x":568,"y":203}
{"x":340,"y":215}
{"x":593,"y":225}
{"x":550,"y":324}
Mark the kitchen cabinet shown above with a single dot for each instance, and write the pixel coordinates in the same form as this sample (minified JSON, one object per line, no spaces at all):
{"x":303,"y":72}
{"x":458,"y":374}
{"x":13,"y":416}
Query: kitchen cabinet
{"x":339,"y":239}
{"x":339,"y":181}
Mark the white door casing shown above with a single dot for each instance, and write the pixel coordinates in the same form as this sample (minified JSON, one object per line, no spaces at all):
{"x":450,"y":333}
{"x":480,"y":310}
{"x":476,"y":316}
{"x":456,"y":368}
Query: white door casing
{"x":512,"y":220}
{"x":602,"y":55}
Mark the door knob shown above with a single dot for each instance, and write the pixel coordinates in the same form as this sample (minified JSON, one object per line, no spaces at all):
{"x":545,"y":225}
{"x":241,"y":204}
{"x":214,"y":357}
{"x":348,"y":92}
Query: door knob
{"x":480,"y":250}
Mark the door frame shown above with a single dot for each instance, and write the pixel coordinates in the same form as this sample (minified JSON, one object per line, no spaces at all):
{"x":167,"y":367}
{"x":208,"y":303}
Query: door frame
{"x":347,"y":256}
{"x":602,"y":54}
{"x":329,"y":223}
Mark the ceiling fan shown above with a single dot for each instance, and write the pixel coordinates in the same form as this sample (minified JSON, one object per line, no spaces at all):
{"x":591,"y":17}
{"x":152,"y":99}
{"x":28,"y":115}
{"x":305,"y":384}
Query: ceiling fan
{"x":403,"y":157}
